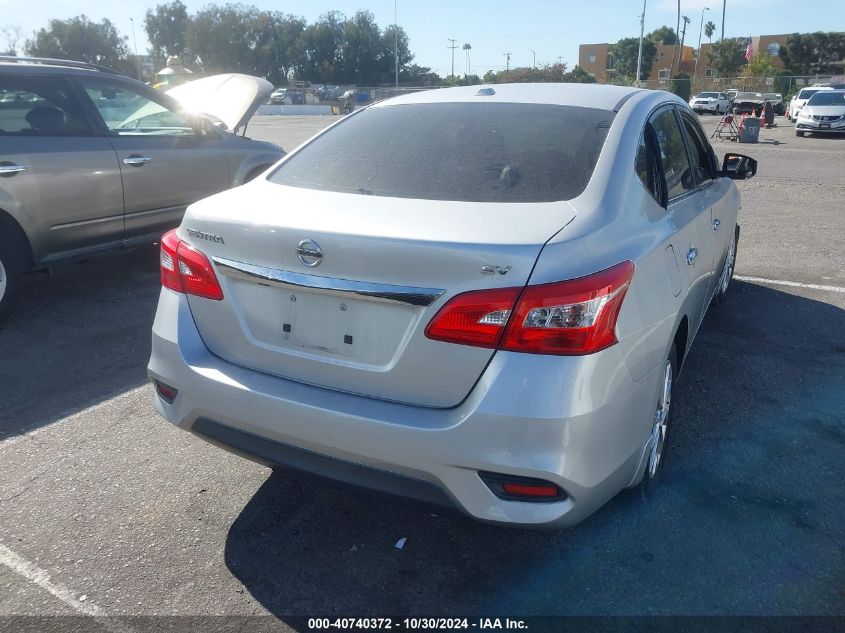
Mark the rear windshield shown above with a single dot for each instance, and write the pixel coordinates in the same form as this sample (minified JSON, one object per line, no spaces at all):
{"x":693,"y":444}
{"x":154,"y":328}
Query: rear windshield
{"x":708,"y":95}
{"x":827,"y":99}
{"x":473,"y":152}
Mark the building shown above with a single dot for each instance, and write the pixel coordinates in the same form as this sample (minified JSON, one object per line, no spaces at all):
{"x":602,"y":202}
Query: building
{"x":597,"y":60}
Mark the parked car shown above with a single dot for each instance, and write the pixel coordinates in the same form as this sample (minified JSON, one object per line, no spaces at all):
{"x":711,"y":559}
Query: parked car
{"x":491,"y":315}
{"x":800,"y":99}
{"x":776,"y":99}
{"x":823,"y":112}
{"x":92,"y":160}
{"x":277,"y":97}
{"x":747,"y":103}
{"x":710,"y":102}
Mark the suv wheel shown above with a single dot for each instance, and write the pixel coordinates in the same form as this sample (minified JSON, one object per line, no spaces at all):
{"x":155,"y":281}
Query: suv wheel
{"x":10,"y":277}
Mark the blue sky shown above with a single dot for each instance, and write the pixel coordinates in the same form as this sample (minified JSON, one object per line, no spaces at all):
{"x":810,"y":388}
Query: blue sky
{"x":551,"y":28}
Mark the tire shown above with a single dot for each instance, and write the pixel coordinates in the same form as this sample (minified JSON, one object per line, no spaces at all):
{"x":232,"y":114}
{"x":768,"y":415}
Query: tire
{"x":727,"y":273}
{"x":797,"y":133}
{"x":661,"y":423}
{"x":10,"y":278}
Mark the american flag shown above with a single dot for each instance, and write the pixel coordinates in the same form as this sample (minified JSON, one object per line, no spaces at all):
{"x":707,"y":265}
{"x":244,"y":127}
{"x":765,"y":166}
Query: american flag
{"x":749,"y":50}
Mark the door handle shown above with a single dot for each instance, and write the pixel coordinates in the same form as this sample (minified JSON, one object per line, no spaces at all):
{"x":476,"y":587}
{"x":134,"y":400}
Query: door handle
{"x":716,"y":224}
{"x":136,"y":161}
{"x":10,"y":169}
{"x":692,"y":253}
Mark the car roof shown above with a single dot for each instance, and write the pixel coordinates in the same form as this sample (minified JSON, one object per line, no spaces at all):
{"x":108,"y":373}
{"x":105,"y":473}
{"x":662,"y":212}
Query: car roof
{"x":598,"y":96}
{"x":29,"y":65}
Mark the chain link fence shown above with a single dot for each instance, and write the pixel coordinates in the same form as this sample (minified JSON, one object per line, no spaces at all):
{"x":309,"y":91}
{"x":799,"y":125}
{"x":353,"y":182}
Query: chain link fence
{"x":784,"y":84}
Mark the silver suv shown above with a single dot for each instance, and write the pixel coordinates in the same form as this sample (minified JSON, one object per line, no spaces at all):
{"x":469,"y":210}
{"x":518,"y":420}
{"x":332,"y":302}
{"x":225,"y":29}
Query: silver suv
{"x":92,"y":160}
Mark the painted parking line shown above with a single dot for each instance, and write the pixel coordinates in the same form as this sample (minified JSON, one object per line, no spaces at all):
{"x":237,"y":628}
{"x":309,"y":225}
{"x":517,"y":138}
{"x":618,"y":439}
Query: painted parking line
{"x":78,"y":601}
{"x":791,"y":284}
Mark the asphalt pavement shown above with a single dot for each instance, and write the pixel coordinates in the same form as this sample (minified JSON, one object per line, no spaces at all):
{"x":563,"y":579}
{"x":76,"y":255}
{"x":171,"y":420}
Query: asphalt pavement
{"x":107,"y":509}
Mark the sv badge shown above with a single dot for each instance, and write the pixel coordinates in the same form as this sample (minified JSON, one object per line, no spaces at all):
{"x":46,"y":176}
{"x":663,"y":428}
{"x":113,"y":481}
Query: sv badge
{"x":492,"y":270}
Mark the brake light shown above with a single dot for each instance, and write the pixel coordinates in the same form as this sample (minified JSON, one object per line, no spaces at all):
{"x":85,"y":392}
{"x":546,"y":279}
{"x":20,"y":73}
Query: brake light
{"x":571,"y":317}
{"x":474,"y":318}
{"x":185,"y":269}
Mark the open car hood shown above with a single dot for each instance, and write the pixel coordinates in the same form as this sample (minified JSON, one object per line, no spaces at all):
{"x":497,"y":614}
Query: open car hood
{"x":231,"y":98}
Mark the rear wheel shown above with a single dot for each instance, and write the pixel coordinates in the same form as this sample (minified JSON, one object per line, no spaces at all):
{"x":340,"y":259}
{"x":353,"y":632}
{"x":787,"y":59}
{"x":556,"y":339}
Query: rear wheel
{"x":661,"y":421}
{"x":727,"y":272}
{"x":10,"y":275}
{"x":799,"y":133}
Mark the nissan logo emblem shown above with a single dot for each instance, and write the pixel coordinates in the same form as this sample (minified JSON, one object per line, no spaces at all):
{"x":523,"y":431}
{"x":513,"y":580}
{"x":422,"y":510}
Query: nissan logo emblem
{"x":309,"y":253}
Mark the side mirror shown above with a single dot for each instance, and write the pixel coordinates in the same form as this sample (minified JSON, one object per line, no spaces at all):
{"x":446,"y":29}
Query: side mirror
{"x":738,"y":166}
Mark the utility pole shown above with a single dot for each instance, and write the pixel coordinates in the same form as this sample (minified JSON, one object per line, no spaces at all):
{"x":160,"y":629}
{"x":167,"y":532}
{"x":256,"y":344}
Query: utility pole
{"x":535,"y":59}
{"x":675,"y":52}
{"x":453,"y":47}
{"x":640,"y":52}
{"x":723,"y":19}
{"x":396,"y":44}
{"x":560,"y":60}
{"x":507,"y":62}
{"x":698,"y":53}
{"x":135,"y":41}
{"x":467,"y":48}
{"x":683,"y":36}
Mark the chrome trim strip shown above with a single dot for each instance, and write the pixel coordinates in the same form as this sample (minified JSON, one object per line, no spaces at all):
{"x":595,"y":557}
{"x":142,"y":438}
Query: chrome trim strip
{"x":387,"y":293}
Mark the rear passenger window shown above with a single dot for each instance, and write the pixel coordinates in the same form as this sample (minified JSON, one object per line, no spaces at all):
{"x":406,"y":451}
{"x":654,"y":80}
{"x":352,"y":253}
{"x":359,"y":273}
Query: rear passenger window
{"x":702,"y":164}
{"x":673,"y":154}
{"x":39,"y":106}
{"x":647,"y":166}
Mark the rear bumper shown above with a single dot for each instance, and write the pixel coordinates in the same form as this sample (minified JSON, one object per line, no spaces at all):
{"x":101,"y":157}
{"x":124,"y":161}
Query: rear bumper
{"x":581,"y":423}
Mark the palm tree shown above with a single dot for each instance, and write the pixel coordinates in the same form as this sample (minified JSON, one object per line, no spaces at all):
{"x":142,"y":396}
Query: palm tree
{"x":709,"y":29}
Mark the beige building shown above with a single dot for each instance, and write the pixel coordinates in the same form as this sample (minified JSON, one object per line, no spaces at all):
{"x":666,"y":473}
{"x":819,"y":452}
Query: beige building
{"x":597,"y":60}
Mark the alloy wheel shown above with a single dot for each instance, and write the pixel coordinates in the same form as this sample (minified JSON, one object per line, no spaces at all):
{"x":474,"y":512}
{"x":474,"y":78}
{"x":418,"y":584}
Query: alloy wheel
{"x":727,"y":271}
{"x":661,"y":422}
{"x":3,"y":281}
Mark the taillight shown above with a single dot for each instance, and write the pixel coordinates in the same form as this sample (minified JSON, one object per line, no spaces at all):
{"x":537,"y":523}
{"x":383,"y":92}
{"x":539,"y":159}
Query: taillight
{"x":474,"y":318}
{"x":185,"y":269}
{"x":571,"y":317}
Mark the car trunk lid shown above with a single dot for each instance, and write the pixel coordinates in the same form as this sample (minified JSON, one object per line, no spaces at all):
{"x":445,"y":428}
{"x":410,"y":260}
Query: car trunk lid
{"x":355,"y":320}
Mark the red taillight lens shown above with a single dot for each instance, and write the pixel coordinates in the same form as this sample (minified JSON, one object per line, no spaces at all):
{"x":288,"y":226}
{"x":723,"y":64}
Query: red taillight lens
{"x":185,"y":269}
{"x":541,"y":491}
{"x":567,"y":318}
{"x":474,"y":318}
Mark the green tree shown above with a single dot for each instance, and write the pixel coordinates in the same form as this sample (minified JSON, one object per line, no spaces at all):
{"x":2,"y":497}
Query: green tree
{"x":322,"y":42}
{"x":83,"y":40}
{"x":663,"y":35}
{"x":578,"y":76}
{"x":624,"y":54}
{"x":813,"y":53}
{"x":682,"y":86}
{"x":760,"y":66}
{"x":727,"y":56}
{"x":12,"y":34}
{"x":709,"y":29}
{"x":167,"y":29}
{"x":361,"y":51}
{"x":224,"y":38}
{"x":388,"y":55}
{"x":419,"y":76}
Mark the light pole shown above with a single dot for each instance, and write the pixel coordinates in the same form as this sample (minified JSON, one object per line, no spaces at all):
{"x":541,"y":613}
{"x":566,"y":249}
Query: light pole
{"x":640,"y":51}
{"x":396,"y":44}
{"x":135,"y":41}
{"x":507,"y":61}
{"x":698,"y":55}
{"x":467,"y":48}
{"x":535,"y":59}
{"x":723,"y":19}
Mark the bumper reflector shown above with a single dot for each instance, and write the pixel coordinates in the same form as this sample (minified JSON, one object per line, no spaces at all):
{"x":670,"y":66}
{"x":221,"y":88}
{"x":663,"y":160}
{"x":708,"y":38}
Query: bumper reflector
{"x":165,"y":392}
{"x":514,"y":488}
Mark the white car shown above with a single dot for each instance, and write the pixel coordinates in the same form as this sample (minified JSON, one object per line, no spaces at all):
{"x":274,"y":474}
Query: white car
{"x":712,"y":102}
{"x":824,"y":112}
{"x":797,"y":102}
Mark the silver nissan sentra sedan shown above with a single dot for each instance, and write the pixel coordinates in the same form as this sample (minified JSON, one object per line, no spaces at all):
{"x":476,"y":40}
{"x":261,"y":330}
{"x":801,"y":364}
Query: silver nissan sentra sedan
{"x":475,"y":297}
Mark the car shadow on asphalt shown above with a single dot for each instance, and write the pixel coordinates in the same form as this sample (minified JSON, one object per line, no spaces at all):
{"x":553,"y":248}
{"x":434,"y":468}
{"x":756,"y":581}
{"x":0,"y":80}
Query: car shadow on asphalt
{"x":764,"y":381}
{"x":77,"y":337}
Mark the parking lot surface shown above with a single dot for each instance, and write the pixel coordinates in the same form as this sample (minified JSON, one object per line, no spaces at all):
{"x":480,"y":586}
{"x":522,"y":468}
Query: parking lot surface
{"x":107,"y":509}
